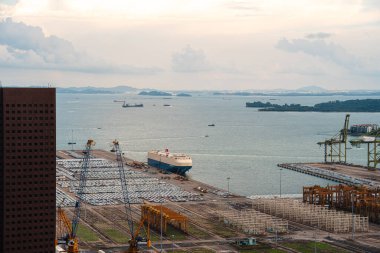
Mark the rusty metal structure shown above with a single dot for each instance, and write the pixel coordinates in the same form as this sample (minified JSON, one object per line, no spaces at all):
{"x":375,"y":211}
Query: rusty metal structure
{"x":362,"y":200}
{"x":152,"y":215}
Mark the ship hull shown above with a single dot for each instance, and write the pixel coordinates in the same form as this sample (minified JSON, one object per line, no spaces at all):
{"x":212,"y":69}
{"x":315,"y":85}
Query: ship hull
{"x":181,"y":170}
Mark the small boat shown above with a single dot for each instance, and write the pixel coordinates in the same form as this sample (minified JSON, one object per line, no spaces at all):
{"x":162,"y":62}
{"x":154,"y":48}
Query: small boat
{"x":118,"y":101}
{"x":167,"y":105}
{"x":212,"y":125}
{"x":132,"y":105}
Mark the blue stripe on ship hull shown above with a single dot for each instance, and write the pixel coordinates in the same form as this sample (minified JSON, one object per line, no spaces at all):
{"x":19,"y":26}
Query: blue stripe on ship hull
{"x":167,"y":167}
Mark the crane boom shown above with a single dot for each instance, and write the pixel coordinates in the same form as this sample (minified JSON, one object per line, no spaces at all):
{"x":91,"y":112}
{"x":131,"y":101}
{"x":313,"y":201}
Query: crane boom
{"x":71,"y":238}
{"x":133,"y":242}
{"x":124,"y":189}
{"x":82,"y":185}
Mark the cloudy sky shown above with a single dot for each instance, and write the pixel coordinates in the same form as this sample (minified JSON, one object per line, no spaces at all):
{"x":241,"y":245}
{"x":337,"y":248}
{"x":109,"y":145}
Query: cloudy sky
{"x":191,"y":44}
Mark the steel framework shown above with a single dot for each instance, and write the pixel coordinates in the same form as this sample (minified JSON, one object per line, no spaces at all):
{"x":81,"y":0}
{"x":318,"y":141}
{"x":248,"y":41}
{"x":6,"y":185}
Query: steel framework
{"x":361,"y":200}
{"x":335,"y":149}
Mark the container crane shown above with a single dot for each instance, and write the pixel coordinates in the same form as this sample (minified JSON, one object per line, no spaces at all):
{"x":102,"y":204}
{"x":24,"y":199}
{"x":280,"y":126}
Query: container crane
{"x":336,"y":147}
{"x":70,"y":238}
{"x":135,"y":239}
{"x":373,"y":149}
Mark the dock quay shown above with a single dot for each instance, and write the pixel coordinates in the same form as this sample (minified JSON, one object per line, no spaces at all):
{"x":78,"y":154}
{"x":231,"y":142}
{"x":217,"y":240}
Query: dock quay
{"x":215,"y":218}
{"x":341,"y":173}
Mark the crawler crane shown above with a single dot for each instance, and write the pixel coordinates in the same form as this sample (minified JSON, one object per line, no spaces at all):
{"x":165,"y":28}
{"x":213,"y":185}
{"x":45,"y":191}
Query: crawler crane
{"x":70,"y":239}
{"x":135,"y":239}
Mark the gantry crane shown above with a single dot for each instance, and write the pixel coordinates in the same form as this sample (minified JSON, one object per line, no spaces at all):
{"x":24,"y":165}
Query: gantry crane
{"x":70,"y":238}
{"x":373,"y":149}
{"x":133,"y":242}
{"x":336,"y":147}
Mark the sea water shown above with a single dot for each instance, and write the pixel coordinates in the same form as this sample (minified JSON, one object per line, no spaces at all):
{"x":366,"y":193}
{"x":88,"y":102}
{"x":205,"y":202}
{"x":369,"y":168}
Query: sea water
{"x":245,"y":145}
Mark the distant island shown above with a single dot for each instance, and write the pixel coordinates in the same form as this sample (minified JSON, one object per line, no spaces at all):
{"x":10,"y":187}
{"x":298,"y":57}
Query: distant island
{"x":154,"y":93}
{"x":241,"y":93}
{"x":183,"y":95}
{"x":96,"y":90}
{"x":358,"y":105}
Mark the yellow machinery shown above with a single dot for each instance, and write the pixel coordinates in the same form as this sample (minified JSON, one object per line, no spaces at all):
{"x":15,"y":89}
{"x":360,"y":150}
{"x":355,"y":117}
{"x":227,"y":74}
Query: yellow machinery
{"x":135,"y":238}
{"x":66,"y":229}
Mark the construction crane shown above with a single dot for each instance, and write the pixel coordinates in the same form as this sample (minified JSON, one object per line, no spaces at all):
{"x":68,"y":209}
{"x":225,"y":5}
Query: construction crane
{"x":64,"y":226}
{"x":70,"y":238}
{"x":336,"y":147}
{"x":135,"y":239}
{"x":373,"y":151}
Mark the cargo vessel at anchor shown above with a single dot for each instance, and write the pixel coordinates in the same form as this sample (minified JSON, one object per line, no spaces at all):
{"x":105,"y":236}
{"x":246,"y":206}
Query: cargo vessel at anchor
{"x":170,"y":162}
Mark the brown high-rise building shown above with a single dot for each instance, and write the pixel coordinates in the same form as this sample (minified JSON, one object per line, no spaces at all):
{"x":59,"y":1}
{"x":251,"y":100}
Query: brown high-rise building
{"x":27,"y":172}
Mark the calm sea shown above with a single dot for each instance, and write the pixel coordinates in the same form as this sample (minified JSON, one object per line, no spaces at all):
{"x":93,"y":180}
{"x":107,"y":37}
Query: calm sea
{"x":245,"y":145}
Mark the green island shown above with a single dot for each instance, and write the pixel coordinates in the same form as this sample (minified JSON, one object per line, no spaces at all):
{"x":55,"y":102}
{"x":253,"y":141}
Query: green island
{"x":357,"y":105}
{"x":154,"y":93}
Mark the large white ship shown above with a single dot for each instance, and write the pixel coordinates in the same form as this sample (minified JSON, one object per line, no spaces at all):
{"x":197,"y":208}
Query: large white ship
{"x":171,"y":162}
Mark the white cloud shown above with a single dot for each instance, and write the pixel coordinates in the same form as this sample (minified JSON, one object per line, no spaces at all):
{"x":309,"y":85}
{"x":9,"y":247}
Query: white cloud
{"x":190,"y":60}
{"x":371,"y":4}
{"x":319,"y":48}
{"x":28,"y":47}
{"x":319,"y":35}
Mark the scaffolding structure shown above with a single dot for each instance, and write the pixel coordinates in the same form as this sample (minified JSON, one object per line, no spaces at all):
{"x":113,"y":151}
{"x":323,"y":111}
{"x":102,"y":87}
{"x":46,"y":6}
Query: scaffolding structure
{"x":361,"y":200}
{"x":156,"y":214}
{"x":252,"y":222}
{"x":313,"y":215}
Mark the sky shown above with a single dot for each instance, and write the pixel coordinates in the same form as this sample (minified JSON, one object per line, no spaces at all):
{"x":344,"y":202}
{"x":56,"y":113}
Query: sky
{"x":191,"y":44}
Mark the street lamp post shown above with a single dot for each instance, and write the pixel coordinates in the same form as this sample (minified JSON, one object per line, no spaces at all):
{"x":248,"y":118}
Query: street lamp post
{"x":172,"y":243}
{"x":161,"y":224}
{"x":352,"y":211}
{"x":280,"y":182}
{"x":228,"y":185}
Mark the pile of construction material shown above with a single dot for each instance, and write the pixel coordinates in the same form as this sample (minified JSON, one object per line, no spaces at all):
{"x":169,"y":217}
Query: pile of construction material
{"x":312,"y":215}
{"x":103,"y":185}
{"x":252,"y":222}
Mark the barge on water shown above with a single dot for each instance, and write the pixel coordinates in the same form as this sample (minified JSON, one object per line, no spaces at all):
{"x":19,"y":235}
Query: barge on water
{"x":125,"y":105}
{"x":170,"y":162}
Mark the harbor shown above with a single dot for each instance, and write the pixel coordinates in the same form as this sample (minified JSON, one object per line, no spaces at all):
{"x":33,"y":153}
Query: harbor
{"x":212,"y":214}
{"x":352,"y":175}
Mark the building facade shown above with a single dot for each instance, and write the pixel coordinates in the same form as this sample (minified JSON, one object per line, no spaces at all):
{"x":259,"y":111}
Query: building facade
{"x":27,"y":173}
